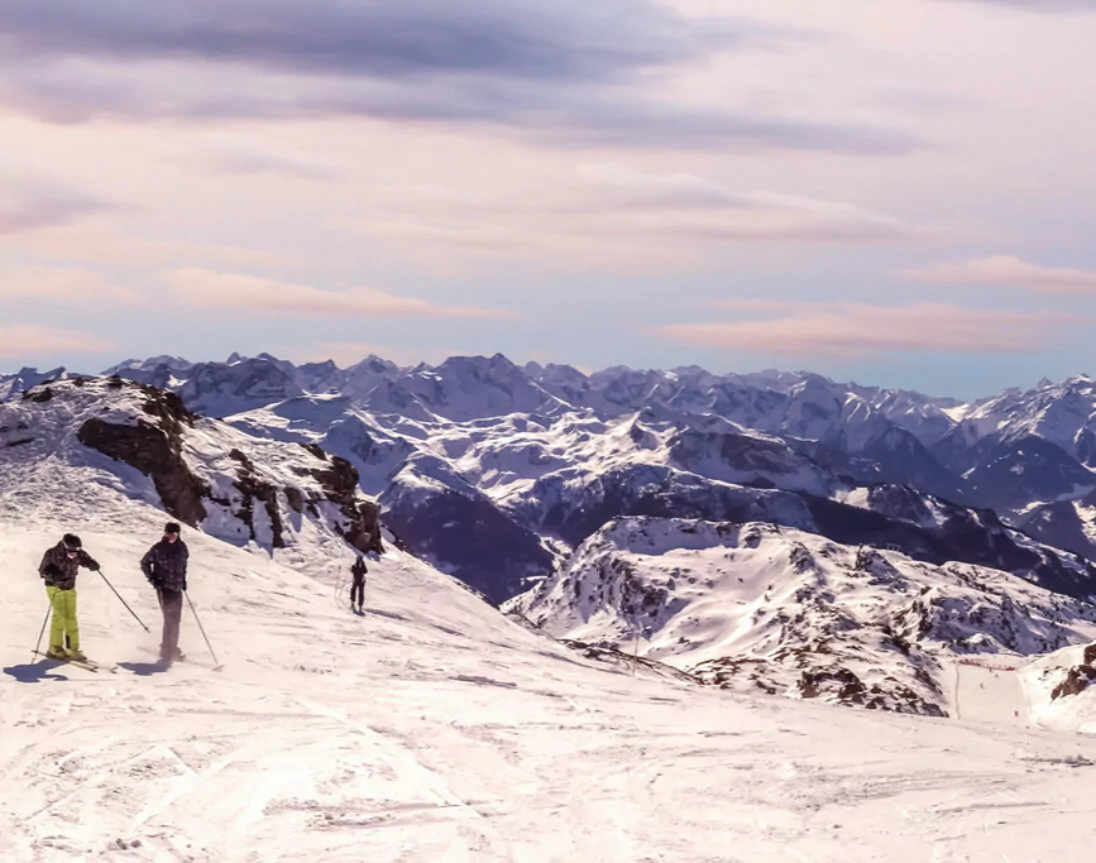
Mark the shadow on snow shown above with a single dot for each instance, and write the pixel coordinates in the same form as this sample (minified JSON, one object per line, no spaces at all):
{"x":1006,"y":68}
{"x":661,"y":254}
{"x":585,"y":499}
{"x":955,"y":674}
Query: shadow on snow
{"x":35,"y":672}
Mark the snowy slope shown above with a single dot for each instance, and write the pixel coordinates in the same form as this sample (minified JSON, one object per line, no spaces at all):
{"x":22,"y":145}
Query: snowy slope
{"x":1059,"y":689}
{"x":755,"y":606}
{"x":436,"y":730}
{"x":70,"y":440}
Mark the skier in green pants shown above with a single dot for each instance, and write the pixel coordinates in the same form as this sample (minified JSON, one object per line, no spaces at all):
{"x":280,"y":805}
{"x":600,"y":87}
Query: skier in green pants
{"x":59,"y":567}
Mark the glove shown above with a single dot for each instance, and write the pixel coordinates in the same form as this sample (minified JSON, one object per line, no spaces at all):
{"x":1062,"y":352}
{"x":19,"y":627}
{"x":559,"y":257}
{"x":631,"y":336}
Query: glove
{"x":52,"y":569}
{"x":184,"y":585}
{"x":93,"y":566}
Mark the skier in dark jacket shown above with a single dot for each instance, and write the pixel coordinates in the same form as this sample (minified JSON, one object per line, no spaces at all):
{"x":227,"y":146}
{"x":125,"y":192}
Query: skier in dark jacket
{"x":357,"y":591}
{"x":59,"y":567}
{"x":164,"y":565}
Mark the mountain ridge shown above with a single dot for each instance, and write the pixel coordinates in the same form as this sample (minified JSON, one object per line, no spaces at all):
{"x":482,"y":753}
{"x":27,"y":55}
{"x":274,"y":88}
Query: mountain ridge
{"x":488,"y":466}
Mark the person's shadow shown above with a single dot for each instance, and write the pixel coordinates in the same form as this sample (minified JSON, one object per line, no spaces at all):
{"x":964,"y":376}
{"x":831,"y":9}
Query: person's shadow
{"x":35,"y":672}
{"x":144,"y":669}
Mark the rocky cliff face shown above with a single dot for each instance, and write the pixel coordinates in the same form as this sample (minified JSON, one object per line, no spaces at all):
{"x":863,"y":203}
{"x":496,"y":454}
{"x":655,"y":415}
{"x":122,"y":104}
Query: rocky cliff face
{"x":200,"y":471}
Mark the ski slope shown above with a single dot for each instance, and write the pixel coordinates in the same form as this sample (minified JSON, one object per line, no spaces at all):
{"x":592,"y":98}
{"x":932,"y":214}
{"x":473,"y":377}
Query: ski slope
{"x":434,"y":729}
{"x":990,"y":693}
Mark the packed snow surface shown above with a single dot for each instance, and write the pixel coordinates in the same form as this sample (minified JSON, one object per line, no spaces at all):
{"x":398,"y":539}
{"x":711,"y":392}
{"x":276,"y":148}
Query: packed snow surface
{"x":435,"y":729}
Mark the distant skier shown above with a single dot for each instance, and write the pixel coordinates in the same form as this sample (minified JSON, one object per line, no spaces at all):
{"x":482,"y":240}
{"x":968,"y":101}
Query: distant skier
{"x":164,"y":565}
{"x":357,"y":591}
{"x":59,"y":568}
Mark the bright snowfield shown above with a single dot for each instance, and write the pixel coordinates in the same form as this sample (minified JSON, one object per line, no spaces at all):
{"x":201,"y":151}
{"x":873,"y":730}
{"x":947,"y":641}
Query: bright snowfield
{"x":434,"y":729}
{"x":761,"y":606}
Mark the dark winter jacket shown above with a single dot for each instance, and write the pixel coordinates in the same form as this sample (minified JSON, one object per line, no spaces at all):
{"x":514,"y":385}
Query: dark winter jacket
{"x":59,"y":570}
{"x":358,"y":570}
{"x":165,"y":565}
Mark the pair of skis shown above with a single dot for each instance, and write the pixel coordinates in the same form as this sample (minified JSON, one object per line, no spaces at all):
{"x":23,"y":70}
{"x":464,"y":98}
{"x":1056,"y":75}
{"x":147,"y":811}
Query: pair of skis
{"x":86,"y":664}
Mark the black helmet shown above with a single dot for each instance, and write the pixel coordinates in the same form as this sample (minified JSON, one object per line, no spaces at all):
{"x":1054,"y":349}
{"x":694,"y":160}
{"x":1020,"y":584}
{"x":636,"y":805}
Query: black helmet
{"x":72,"y":542}
{"x":172,"y":527}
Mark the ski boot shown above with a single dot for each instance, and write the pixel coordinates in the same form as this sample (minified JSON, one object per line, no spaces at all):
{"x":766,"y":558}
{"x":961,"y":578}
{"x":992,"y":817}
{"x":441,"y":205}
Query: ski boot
{"x":57,"y":653}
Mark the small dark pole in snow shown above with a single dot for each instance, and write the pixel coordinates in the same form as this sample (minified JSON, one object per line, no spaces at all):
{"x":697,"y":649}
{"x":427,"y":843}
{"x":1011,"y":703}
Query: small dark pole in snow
{"x":216,"y":663}
{"x":126,"y":604}
{"x":38,"y":646}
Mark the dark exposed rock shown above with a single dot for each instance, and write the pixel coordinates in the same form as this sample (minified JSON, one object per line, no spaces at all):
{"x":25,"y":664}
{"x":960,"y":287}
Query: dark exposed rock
{"x":340,"y":485}
{"x":848,"y":688}
{"x":154,"y":453}
{"x":252,"y":488}
{"x":41,"y":396}
{"x":1078,"y":678}
{"x":316,"y":450}
{"x":1077,"y":681}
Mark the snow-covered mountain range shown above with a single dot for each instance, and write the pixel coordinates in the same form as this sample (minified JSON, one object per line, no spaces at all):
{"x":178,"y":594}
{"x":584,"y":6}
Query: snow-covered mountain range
{"x":567,"y":499}
{"x":496,"y":472}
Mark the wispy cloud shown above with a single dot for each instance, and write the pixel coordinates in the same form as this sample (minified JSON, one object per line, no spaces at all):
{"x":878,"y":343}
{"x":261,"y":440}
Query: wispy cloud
{"x":853,"y":329}
{"x":18,"y":341}
{"x":613,"y":213}
{"x":245,"y":163}
{"x":63,"y":283}
{"x":29,"y":206}
{"x":211,"y":289}
{"x":112,"y":245}
{"x":1008,"y":271}
{"x":566,"y":73}
{"x":708,"y":209}
{"x":567,"y":39}
{"x":1045,"y":6}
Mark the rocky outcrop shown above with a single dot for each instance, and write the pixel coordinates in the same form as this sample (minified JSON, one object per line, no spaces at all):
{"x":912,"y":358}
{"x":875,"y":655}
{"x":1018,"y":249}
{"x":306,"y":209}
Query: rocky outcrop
{"x":1078,"y":678}
{"x":199,"y":483}
{"x":339,"y":481}
{"x":253,"y":488}
{"x":155,"y":450}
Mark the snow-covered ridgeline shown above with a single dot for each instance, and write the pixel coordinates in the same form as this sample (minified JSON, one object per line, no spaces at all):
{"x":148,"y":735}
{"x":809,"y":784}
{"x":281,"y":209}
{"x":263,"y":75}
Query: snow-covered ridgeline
{"x":756,"y":606}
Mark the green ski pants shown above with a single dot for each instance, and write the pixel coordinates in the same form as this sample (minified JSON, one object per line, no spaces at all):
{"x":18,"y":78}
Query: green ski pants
{"x":63,"y":603}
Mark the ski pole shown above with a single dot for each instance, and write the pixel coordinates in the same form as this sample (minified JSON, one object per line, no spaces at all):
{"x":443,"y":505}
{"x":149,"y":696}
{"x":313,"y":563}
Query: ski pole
{"x":194,"y":611}
{"x":38,"y":646}
{"x":126,"y":604}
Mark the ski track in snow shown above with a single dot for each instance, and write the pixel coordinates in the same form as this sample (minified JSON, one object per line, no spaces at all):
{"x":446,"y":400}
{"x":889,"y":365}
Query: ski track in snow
{"x":433,"y":729}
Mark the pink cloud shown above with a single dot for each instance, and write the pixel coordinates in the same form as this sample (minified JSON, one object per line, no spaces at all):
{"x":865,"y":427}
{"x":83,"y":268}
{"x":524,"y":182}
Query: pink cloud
{"x":852,"y":329}
{"x":1010,"y":271}
{"x":611,"y":213}
{"x":110,"y":245}
{"x":63,"y":283}
{"x":200,"y":287}
{"x":21,"y":340}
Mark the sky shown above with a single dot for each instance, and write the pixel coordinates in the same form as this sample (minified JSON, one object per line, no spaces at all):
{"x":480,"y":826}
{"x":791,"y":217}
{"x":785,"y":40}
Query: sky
{"x":897,"y":193}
